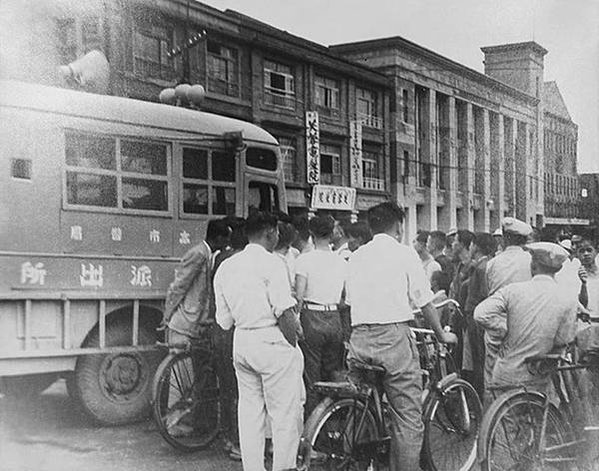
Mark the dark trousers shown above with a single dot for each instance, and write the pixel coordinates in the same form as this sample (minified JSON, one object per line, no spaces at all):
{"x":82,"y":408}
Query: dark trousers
{"x":322,"y":347}
{"x":476,"y":336}
{"x":223,"y":364}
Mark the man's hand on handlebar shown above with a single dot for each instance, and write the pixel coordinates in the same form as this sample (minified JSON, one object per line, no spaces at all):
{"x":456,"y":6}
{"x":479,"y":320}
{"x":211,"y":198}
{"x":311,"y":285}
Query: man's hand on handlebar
{"x":449,"y":337}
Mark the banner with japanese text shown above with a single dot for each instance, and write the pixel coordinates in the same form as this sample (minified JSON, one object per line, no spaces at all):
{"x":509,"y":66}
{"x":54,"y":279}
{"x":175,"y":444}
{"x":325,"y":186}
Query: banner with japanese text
{"x":312,"y":148}
{"x":355,"y":153}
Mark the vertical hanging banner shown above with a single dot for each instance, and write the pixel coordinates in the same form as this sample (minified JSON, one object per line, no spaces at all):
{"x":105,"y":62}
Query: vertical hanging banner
{"x":355,"y":153}
{"x":312,"y":148}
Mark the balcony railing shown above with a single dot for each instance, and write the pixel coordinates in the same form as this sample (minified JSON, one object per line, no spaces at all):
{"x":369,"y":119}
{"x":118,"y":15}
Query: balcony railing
{"x":277,"y":99}
{"x":370,"y":121}
{"x":373,"y":184}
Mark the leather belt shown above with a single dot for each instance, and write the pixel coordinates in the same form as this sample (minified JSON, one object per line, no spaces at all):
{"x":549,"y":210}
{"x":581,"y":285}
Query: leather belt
{"x":321,"y":307}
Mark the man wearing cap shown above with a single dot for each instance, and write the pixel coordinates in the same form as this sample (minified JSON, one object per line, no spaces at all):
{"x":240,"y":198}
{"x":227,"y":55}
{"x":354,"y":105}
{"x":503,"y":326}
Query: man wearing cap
{"x":531,"y":317}
{"x":510,"y":266}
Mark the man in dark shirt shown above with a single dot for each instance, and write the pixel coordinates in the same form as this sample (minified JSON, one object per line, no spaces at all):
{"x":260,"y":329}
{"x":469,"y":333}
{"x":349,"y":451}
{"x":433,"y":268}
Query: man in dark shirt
{"x":435,"y":245}
{"x":482,"y":249}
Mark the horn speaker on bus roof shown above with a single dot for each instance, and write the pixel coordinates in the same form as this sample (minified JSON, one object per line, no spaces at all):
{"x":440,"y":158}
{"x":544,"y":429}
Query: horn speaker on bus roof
{"x":91,"y":72}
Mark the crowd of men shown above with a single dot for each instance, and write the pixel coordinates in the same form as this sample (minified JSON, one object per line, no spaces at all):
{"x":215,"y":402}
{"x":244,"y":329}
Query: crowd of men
{"x":299,"y":301}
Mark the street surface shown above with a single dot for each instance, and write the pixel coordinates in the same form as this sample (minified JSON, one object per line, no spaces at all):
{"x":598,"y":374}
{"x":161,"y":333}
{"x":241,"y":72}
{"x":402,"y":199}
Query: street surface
{"x":47,"y":433}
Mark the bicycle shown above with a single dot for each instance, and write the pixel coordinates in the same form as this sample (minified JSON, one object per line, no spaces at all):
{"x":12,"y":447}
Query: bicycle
{"x":185,"y":396}
{"x":524,"y":430}
{"x":349,"y":430}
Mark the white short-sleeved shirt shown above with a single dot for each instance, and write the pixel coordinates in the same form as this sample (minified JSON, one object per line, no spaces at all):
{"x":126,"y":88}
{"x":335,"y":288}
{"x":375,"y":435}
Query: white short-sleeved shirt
{"x":251,"y":289}
{"x":325,"y":272}
{"x":385,"y":278}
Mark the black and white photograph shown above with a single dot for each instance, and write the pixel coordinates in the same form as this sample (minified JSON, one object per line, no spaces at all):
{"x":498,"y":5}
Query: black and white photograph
{"x":261,"y":235}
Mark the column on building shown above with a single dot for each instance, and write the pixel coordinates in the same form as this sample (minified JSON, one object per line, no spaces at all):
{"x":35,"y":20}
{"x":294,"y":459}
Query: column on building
{"x":509,"y":149}
{"x":482,"y":183}
{"x":427,"y":213}
{"x":465,"y":160}
{"x":497,"y":208}
{"x":522,"y":175}
{"x":446,"y":214}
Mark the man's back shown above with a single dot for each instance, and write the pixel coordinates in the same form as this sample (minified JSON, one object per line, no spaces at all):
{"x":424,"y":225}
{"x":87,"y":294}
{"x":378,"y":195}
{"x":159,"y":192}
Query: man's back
{"x":384,"y":276}
{"x":510,"y":266}
{"x":539,"y":319}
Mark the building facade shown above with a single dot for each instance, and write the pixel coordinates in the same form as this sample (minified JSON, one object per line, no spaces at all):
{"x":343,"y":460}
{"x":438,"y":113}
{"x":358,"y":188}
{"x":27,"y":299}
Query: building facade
{"x":563,"y":199}
{"x":385,"y":118}
{"x":589,"y":192}
{"x":313,"y":101}
{"x":466,"y":145}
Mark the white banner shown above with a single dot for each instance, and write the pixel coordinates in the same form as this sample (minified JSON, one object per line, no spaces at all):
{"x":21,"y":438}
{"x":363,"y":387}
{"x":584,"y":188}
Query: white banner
{"x":355,"y":153}
{"x":312,"y":148}
{"x":333,"y":197}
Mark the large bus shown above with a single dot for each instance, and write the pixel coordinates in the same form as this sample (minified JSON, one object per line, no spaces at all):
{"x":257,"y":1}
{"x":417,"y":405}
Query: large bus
{"x":99,"y":198}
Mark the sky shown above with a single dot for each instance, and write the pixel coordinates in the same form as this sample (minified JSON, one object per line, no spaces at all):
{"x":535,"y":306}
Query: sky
{"x":568,"y":29}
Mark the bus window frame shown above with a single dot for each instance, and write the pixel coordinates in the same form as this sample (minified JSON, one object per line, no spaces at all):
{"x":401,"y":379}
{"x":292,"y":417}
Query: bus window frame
{"x":237,"y":185}
{"x":119,"y":174}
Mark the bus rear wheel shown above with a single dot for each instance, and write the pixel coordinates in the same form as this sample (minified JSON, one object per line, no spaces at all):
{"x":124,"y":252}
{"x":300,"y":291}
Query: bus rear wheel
{"x":115,"y":388}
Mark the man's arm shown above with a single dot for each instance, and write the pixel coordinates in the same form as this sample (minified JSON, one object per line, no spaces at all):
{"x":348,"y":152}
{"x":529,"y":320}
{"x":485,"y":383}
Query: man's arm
{"x":491,"y":314}
{"x":283,"y":304}
{"x":224,"y":317}
{"x":185,"y":273}
{"x":567,"y":329}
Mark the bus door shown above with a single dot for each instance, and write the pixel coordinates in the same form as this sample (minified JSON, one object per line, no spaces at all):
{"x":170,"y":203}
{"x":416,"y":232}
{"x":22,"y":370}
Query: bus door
{"x":262,"y":195}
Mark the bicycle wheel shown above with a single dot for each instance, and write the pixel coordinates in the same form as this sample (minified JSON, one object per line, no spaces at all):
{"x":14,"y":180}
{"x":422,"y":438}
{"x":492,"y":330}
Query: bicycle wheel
{"x":513,"y":435}
{"x":451,"y":419}
{"x":343,"y":435}
{"x":186,"y":403}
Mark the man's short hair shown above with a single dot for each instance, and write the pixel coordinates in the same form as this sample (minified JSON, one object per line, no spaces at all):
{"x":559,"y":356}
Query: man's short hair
{"x":238,"y":237}
{"x":218,"y":228}
{"x":302,"y":224}
{"x":485,"y":242}
{"x":464,"y":237}
{"x":514,"y":239}
{"x":383,"y":216}
{"x":287,"y":235}
{"x":258,"y":222}
{"x":322,"y":227}
{"x":360,"y":230}
{"x":422,"y":236}
{"x":438,"y":240}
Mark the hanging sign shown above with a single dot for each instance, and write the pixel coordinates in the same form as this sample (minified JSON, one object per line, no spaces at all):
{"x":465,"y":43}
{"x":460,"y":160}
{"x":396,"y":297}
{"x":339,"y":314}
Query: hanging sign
{"x":340,"y":198}
{"x":355,"y":153}
{"x":312,"y":148}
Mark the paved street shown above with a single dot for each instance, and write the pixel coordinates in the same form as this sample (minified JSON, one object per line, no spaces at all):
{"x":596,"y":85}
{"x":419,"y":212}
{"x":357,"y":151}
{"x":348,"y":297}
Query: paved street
{"x":47,"y":433}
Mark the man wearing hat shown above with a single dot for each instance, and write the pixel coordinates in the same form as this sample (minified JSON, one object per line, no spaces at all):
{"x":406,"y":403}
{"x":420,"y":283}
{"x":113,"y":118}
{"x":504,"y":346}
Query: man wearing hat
{"x":531,"y":317}
{"x":510,"y":266}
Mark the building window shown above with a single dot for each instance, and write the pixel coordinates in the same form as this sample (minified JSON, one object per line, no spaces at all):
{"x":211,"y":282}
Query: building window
{"x":327,"y":93}
{"x":288,"y":149}
{"x":371,"y":171}
{"x":132,"y":175}
{"x":330,"y":164}
{"x":406,"y":163}
{"x":150,"y":49}
{"x":223,"y":69}
{"x":77,"y":37}
{"x":405,"y":106}
{"x":367,"y":109}
{"x":208,"y":181}
{"x":279,"y":85}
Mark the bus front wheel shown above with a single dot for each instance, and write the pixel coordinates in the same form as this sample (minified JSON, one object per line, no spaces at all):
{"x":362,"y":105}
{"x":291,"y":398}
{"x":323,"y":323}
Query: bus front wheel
{"x":115,"y":388}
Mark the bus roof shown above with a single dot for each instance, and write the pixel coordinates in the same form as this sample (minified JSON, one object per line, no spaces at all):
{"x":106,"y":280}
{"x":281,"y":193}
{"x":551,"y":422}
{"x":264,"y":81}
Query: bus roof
{"x":126,"y":110}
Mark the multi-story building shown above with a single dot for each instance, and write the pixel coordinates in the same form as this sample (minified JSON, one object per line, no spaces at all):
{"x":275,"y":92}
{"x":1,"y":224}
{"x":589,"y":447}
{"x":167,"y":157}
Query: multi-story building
{"x":563,"y":199}
{"x":466,"y":145}
{"x":250,"y":71}
{"x":589,"y":192}
{"x":453,"y":146}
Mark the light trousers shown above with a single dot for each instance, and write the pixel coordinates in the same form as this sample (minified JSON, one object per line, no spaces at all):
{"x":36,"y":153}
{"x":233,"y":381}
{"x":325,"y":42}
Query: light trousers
{"x":269,"y":376}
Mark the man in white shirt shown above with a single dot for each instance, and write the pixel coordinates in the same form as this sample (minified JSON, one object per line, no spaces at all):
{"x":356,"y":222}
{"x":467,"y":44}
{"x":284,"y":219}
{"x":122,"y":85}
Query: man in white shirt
{"x":385,"y":278}
{"x":429,"y":264}
{"x":253,"y":293}
{"x":319,"y":282}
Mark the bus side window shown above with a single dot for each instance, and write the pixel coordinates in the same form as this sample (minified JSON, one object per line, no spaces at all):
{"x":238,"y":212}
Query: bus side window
{"x":262,"y":197}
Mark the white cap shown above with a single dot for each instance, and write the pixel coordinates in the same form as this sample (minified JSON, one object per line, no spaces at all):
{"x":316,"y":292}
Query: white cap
{"x":515,"y":226}
{"x":498,"y":232}
{"x":566,"y":244}
{"x":548,"y":254}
